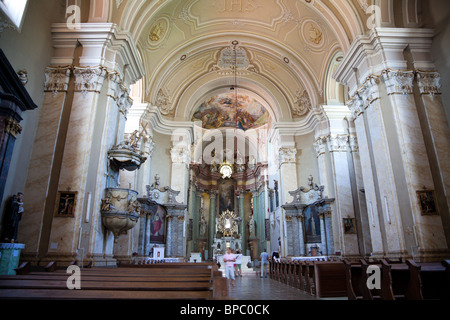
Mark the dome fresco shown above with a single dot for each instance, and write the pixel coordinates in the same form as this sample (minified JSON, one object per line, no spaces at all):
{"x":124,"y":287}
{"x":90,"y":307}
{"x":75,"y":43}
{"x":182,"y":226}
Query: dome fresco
{"x":222,"y":111}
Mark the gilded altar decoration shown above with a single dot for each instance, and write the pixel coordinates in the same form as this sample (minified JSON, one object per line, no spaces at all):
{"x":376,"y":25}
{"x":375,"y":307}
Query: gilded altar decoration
{"x":226,"y":170}
{"x":227,"y":224}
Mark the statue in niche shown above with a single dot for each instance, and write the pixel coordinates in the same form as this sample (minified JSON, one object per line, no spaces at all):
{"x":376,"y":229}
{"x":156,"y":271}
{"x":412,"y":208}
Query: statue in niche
{"x":252,"y":227}
{"x":14,"y":215}
{"x":202,"y":226}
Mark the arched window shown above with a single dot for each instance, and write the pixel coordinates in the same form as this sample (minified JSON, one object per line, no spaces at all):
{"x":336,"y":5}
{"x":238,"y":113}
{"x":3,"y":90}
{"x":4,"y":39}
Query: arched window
{"x":15,"y":10}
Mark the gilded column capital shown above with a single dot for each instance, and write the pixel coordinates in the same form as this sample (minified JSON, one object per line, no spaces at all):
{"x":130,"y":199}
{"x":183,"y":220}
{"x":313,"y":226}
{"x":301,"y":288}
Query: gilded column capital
{"x":338,"y":142}
{"x":429,"y":82}
{"x":369,"y":92}
{"x":356,"y":106}
{"x":180,"y":154}
{"x":353,"y":142}
{"x":57,"y":79}
{"x":319,"y":146}
{"x":89,"y":79}
{"x":399,"y":82}
{"x":287,"y":155}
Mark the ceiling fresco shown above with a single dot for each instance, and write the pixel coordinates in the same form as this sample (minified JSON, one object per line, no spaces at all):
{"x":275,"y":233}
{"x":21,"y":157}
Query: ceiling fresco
{"x":222,"y":111}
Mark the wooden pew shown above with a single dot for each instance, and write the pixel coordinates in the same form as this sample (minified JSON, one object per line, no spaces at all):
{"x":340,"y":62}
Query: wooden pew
{"x":310,"y":278}
{"x":119,"y":283}
{"x":353,"y":275}
{"x":330,"y":280}
{"x":395,"y":280}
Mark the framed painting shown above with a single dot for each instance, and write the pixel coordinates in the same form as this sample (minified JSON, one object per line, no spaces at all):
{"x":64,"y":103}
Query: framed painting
{"x":158,"y":225}
{"x":312,"y":225}
{"x":427,"y":202}
{"x":349,"y":225}
{"x":65,"y":204}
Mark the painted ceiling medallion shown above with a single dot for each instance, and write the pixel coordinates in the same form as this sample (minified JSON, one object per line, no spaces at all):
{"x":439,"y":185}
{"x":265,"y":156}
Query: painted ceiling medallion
{"x":158,"y":32}
{"x":312,"y":35}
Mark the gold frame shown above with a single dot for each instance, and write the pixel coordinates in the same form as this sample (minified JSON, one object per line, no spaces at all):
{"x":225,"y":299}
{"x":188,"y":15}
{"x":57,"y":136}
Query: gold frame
{"x":434,"y":210}
{"x":69,"y":205}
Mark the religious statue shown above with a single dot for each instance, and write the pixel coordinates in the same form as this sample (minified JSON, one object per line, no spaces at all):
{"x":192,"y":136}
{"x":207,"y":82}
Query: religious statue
{"x":202,"y":226}
{"x":107,"y":205}
{"x":252,"y":227}
{"x":14,"y":215}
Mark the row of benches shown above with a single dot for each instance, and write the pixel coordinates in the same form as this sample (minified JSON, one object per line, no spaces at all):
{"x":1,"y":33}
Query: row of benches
{"x":178,"y":281}
{"x":397,"y":280}
{"x":324,"y":279}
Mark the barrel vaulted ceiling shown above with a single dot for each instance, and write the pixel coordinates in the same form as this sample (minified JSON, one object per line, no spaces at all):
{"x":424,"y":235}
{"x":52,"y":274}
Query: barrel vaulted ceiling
{"x":283,"y":49}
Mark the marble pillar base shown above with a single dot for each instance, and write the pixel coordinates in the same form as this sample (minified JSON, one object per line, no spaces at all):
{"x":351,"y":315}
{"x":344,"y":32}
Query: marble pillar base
{"x":9,"y":257}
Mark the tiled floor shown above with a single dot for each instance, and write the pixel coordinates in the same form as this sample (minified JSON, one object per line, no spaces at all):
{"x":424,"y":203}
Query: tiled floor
{"x":252,"y":287}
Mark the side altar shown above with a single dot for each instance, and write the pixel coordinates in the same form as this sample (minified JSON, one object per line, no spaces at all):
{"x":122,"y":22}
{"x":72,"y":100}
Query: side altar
{"x":308,"y":222}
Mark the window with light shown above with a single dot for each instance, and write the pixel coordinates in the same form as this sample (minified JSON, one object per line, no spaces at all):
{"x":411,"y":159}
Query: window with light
{"x":15,"y":10}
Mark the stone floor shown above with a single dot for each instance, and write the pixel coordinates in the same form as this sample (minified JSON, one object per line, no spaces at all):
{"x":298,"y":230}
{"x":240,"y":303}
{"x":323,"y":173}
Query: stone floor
{"x":252,"y":287}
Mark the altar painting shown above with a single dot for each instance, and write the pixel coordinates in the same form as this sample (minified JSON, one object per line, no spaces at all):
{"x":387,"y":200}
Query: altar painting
{"x":226,"y":196}
{"x":312,"y":225}
{"x":158,"y":225}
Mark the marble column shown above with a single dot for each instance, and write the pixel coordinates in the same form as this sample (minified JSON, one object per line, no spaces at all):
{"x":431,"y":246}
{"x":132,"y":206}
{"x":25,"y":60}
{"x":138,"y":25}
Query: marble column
{"x":436,"y":133}
{"x":36,"y":224}
{"x":242,"y":225}
{"x":416,"y":174}
{"x":288,"y":173}
{"x":339,"y":148}
{"x":212,"y":222}
{"x":329,"y":233}
{"x":196,"y":214}
{"x":168,"y":248}
{"x":180,"y":154}
{"x":323,"y":234}
{"x":301,"y":234}
{"x":381,"y":140}
{"x":368,"y":172}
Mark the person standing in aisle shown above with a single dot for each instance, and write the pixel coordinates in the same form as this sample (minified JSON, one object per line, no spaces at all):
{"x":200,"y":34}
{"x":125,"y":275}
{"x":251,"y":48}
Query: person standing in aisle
{"x":229,"y":260}
{"x":264,"y":262}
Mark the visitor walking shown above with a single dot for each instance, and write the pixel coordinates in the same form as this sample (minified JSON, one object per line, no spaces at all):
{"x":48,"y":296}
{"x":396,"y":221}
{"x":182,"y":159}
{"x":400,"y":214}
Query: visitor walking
{"x":238,"y":264}
{"x":264,"y":262}
{"x":229,"y":260}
